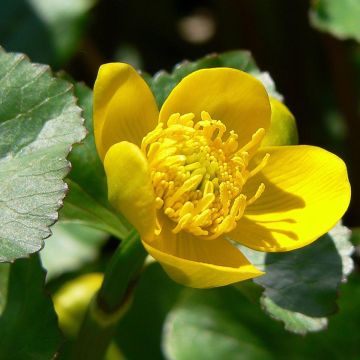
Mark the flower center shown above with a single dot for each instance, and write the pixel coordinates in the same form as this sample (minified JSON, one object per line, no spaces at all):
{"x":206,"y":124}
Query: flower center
{"x":197,"y":177}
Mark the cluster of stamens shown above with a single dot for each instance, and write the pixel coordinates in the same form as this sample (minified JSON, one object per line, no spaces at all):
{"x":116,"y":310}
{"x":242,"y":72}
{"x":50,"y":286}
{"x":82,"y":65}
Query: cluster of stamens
{"x":197,"y":177}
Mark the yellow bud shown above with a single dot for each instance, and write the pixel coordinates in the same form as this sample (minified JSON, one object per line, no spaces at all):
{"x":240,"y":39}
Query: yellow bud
{"x":72,"y":300}
{"x":283,"y":130}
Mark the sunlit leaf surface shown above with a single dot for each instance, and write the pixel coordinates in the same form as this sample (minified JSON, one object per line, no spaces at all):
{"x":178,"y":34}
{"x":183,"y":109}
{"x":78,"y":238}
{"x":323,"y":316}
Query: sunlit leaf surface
{"x":39,"y":123}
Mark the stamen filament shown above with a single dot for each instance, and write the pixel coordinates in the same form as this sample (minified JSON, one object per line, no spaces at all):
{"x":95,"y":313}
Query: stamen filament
{"x":197,"y":177}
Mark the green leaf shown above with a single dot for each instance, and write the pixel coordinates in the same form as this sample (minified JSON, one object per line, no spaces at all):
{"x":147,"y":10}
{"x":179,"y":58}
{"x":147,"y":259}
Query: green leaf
{"x":28,"y":324}
{"x":305,"y":281}
{"x":87,"y":202}
{"x":355,"y":236}
{"x":341,"y":338}
{"x":206,"y":325}
{"x":70,"y":247}
{"x":339,"y":18}
{"x":154,"y":296}
{"x":162,"y":83}
{"x":4,"y":277}
{"x":294,"y":322}
{"x":48,"y":31}
{"x":39,"y":122}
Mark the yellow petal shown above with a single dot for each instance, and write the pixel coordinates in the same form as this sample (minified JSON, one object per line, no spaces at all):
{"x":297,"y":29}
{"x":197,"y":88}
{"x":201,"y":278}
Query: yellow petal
{"x":124,"y":107}
{"x":199,"y":263}
{"x":283,"y":130}
{"x":130,"y":189}
{"x":306,"y":192}
{"x":237,"y":99}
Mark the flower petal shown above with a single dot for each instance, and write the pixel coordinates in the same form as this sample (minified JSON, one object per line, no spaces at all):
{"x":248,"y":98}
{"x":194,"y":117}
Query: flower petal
{"x":306,"y":192}
{"x":124,"y":107}
{"x":236,"y":98}
{"x":200,"y":263}
{"x":129,"y":186}
{"x":283,"y":130}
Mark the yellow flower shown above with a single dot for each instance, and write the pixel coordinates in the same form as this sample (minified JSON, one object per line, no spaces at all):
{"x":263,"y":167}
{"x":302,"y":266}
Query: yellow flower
{"x":193,"y":178}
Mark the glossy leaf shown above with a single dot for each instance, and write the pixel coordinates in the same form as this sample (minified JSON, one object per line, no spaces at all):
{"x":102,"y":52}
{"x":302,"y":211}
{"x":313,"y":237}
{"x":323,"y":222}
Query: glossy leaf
{"x":28,"y":323}
{"x":340,"y":18}
{"x":39,"y":123}
{"x":306,"y":281}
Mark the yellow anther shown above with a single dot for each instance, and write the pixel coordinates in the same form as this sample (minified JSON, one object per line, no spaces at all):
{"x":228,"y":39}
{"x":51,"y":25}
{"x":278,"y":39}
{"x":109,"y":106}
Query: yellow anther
{"x":209,"y":187}
{"x":175,"y":160}
{"x":189,"y":185}
{"x":197,"y":177}
{"x":193,"y":166}
{"x":153,"y":149}
{"x":255,"y":141}
{"x":173,"y":119}
{"x":260,"y":166}
{"x":187,"y":120}
{"x":159,"y":203}
{"x":205,"y":116}
{"x":182,"y":223}
{"x":205,"y":202}
{"x":188,"y":207}
{"x":258,"y":193}
{"x":151,"y":137}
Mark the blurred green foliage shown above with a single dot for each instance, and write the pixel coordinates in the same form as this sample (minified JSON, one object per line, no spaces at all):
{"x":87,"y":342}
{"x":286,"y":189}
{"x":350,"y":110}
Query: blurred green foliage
{"x":49,"y":31}
{"x":197,"y":321}
{"x":340,"y":18}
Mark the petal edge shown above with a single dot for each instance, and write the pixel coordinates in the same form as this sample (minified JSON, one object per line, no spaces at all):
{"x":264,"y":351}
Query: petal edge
{"x":306,"y":192}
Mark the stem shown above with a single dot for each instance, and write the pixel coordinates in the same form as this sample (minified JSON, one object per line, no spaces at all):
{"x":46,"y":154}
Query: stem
{"x":112,"y":300}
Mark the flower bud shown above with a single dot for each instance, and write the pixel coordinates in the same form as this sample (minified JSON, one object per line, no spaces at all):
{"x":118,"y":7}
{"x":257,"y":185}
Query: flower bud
{"x":283,"y":130}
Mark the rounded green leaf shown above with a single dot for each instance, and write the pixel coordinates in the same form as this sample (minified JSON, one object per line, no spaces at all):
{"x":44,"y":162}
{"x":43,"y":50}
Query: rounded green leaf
{"x":39,"y":123}
{"x":306,"y":280}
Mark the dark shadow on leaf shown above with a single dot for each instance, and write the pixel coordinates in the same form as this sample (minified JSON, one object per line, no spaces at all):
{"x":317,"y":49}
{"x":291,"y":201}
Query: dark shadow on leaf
{"x":304,"y":280}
